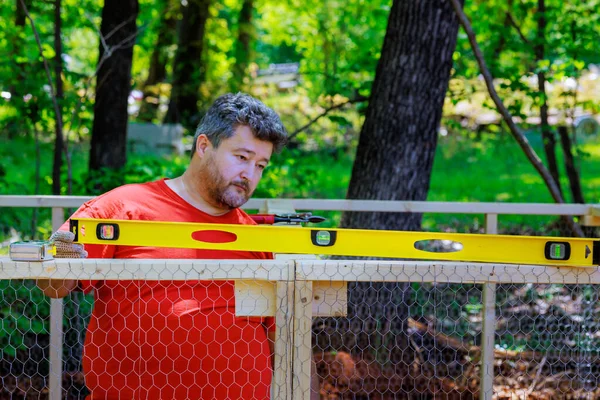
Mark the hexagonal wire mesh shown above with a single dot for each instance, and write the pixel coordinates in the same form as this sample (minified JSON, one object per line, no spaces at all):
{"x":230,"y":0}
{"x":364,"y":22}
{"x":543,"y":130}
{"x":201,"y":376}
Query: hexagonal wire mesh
{"x":423,"y":339}
{"x":417,"y":335}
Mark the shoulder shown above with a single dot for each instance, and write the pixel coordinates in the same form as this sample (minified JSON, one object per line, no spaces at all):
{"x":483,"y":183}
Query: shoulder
{"x":243,"y":218}
{"x":116,"y":202}
{"x":131,"y":192}
{"x":134,"y":189}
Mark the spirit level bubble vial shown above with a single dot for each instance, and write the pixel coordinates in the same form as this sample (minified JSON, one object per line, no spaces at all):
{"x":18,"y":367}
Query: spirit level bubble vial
{"x":557,"y":251}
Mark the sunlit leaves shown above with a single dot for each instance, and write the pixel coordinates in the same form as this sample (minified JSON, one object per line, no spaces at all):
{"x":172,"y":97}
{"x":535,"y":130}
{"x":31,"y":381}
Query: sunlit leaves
{"x":338,"y":41}
{"x":570,"y":44}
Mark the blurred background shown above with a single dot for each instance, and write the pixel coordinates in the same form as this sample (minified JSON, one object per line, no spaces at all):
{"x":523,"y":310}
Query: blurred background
{"x":383,"y":100}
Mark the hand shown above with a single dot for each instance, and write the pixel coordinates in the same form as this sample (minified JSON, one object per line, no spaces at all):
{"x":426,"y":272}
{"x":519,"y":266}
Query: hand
{"x":65,"y":248}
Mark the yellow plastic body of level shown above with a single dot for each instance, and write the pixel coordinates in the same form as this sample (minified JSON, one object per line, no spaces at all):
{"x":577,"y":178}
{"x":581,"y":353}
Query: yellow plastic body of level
{"x":533,"y":250}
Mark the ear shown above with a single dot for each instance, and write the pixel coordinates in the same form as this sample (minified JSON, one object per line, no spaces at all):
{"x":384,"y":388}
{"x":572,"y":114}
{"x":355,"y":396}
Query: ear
{"x":202,"y":144}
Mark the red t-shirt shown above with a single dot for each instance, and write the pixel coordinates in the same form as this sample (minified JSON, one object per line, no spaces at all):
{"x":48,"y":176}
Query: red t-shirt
{"x":170,"y":339}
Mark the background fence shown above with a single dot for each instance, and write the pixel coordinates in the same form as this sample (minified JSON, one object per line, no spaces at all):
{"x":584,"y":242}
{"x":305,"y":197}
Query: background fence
{"x":375,"y":329}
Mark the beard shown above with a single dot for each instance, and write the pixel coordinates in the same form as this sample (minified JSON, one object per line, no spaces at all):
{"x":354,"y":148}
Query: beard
{"x":231,"y":194}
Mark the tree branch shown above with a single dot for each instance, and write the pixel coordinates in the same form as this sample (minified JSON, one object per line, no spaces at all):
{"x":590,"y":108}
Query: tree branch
{"x":59,"y":119}
{"x":46,"y":67}
{"x":358,"y":99}
{"x":116,"y":28}
{"x":514,"y":24}
{"x":516,"y":132}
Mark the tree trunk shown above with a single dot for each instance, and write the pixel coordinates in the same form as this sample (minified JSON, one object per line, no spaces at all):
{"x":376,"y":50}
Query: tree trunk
{"x":548,"y":137}
{"x":59,"y":141}
{"x":187,"y":69}
{"x":572,"y":172}
{"x":399,"y":136}
{"x":17,"y":45}
{"x":15,"y":83}
{"x":109,"y":132}
{"x":243,"y":47}
{"x":20,"y":13}
{"x":396,"y":151}
{"x":326,"y":45}
{"x":158,"y":65}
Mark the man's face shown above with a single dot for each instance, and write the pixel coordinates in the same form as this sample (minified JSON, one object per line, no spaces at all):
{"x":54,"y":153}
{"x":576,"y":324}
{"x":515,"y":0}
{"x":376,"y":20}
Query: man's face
{"x":232,"y":171}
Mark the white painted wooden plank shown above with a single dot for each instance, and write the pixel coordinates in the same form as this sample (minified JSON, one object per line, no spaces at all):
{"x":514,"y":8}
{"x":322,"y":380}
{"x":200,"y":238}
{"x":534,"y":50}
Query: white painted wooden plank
{"x":56,"y":328}
{"x":127,"y":269}
{"x":55,"y":349}
{"x":277,"y":206}
{"x":311,"y":270}
{"x":284,"y":341}
{"x":43,"y":201}
{"x":302,"y":387}
{"x":302,"y":360}
{"x":330,"y":299}
{"x":351,"y":205}
{"x":488,"y":332}
{"x":427,"y":206}
{"x":255,"y":298}
{"x":446,"y":271}
{"x":488,"y":329}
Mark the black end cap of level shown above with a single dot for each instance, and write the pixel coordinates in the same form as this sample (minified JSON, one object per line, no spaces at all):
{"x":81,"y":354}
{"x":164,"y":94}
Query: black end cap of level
{"x":596,"y":252}
{"x":74,"y":227}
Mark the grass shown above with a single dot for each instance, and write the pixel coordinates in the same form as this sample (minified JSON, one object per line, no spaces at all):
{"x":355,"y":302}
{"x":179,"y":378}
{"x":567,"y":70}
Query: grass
{"x":495,"y":169}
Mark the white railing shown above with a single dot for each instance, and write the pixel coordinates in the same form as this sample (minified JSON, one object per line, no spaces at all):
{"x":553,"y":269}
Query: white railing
{"x":351,"y":205}
{"x":304,"y":275}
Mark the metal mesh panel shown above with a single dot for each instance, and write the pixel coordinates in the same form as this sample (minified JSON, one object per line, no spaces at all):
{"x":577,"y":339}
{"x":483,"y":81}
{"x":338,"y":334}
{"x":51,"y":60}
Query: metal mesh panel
{"x":156,"y":341}
{"x":547,"y":342}
{"x":344,"y":329}
{"x":546,"y":338}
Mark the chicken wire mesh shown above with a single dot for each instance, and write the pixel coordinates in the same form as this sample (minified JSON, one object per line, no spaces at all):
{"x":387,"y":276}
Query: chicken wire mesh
{"x":145,"y":338}
{"x":418,"y":335}
{"x":546,"y":343}
{"x":416,"y":339}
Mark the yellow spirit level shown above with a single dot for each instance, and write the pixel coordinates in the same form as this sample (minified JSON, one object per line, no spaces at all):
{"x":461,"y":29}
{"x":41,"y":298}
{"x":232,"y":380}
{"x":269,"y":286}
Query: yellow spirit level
{"x":342,"y":242}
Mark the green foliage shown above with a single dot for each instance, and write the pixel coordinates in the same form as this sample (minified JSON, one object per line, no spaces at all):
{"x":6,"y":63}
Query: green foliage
{"x":17,"y":177}
{"x":569,"y":41}
{"x":137,"y":170}
{"x":22,"y":74}
{"x":337,"y":42}
{"x":23,"y":314}
{"x":300,"y":174}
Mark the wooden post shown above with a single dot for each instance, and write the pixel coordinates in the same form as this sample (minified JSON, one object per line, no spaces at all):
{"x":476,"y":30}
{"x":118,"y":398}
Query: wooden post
{"x":488,"y":330}
{"x":284,"y":344}
{"x":304,"y":381}
{"x":303,"y":297}
{"x":56,"y":327}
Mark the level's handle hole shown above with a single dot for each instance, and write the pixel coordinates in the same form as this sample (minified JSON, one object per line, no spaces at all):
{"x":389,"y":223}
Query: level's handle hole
{"x":438,"y":246}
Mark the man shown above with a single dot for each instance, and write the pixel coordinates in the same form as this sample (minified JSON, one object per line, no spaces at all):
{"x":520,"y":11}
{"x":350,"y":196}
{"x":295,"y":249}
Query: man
{"x":181,"y":339}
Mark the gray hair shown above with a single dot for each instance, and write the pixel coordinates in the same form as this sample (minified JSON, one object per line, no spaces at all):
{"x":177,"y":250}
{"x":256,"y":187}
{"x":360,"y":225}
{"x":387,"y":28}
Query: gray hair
{"x":232,"y":110}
